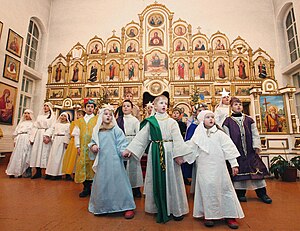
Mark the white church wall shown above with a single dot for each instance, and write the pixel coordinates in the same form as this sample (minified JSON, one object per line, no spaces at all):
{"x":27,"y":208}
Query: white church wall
{"x":15,"y":15}
{"x":281,"y":8}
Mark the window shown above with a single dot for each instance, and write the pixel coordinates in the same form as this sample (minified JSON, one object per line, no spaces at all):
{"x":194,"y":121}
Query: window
{"x":292,"y":36}
{"x":26,"y":95}
{"x":296,"y":82}
{"x":32,"y":42}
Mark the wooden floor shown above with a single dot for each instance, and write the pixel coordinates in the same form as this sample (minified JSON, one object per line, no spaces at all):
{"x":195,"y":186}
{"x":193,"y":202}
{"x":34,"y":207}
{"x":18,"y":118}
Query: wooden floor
{"x":27,"y":204}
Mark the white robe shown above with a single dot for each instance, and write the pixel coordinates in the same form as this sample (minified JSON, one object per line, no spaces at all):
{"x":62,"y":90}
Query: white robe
{"x":20,"y":157}
{"x":60,"y":133}
{"x":221,"y":112}
{"x":215,"y":197}
{"x":133,"y":168}
{"x":175,"y":189}
{"x":40,"y":150}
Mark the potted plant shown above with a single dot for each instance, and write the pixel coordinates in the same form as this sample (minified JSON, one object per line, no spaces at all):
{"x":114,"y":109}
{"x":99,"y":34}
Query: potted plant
{"x":286,"y":169}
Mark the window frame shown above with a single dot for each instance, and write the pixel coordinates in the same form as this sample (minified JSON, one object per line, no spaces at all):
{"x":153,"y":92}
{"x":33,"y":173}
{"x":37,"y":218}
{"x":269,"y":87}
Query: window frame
{"x":26,"y":94}
{"x":29,"y":48}
{"x":291,"y":28}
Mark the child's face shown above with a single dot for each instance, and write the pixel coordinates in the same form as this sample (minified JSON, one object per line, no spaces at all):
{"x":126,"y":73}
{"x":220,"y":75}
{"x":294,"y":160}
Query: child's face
{"x":225,"y":100}
{"x":175,"y":115}
{"x":46,"y":108}
{"x":63,"y":118}
{"x":149,"y":109}
{"x":107,"y":117}
{"x":161,"y":106}
{"x":237,"y":107}
{"x":209,"y":120}
{"x":126,"y":108}
{"x":79,"y":115}
{"x":27,"y":116}
{"x":129,"y":96}
{"x":89,"y":109}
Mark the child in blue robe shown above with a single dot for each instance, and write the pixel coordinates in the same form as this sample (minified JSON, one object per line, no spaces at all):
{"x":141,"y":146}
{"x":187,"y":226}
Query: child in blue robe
{"x":111,"y":190}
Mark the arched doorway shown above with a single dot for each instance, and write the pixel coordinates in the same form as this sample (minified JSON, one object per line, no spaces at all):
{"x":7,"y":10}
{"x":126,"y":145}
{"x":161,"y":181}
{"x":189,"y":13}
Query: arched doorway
{"x":147,"y":97}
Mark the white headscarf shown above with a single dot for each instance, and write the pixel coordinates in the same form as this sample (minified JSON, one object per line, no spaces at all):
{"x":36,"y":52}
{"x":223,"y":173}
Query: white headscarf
{"x":50,"y":107}
{"x":202,"y":114}
{"x":31,"y":115}
{"x":63,"y":113}
{"x":200,"y":136}
{"x":100,"y":120}
{"x":95,"y":136}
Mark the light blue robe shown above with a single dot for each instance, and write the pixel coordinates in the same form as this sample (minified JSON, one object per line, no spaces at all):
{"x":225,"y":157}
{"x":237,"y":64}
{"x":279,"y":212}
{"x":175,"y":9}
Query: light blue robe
{"x":111,"y":190}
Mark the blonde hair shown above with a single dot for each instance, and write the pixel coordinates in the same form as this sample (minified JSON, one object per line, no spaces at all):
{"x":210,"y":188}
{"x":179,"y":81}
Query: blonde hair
{"x":157,"y":98}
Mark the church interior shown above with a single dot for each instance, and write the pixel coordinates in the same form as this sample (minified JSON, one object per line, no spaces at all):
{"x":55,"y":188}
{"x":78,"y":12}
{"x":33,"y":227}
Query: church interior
{"x":63,"y":51}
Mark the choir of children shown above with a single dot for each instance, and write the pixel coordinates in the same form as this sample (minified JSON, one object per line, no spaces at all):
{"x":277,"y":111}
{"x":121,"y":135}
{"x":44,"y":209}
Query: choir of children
{"x":107,"y":153}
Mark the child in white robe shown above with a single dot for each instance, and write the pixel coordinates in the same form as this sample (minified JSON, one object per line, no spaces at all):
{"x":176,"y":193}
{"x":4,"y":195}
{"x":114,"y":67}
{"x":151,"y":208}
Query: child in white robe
{"x":19,"y":160}
{"x":41,"y":145}
{"x":130,"y":125}
{"x":60,"y":134}
{"x":222,"y":110}
{"x":215,"y":197}
{"x":164,"y":187}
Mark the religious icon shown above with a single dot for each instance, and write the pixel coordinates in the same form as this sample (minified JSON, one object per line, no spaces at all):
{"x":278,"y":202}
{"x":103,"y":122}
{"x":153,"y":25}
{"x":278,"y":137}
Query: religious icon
{"x":114,"y":48}
{"x":131,"y":70}
{"x":75,"y":76}
{"x":58,"y":73}
{"x":93,"y":73}
{"x":156,"y":62}
{"x":7,"y":103}
{"x":199,"y":46}
{"x":221,"y":69}
{"x":180,"y":46}
{"x":262,"y":71}
{"x":241,"y":69}
{"x":11,"y":68}
{"x":132,"y":32}
{"x":155,"y":20}
{"x":180,"y":67}
{"x":95,"y":49}
{"x":201,"y":67}
{"x":180,"y":30}
{"x":14,"y":43}
{"x":273,"y":114}
{"x":219,"y":45}
{"x":156,"y":40}
{"x":112,"y":69}
{"x":131,"y":47}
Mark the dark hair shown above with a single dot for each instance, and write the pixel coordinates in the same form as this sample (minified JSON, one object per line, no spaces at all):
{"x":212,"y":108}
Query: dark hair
{"x":177,"y":109}
{"x":81,"y":112}
{"x":234,"y":100}
{"x":49,"y":116}
{"x":127,"y":100}
{"x":90,"y":101}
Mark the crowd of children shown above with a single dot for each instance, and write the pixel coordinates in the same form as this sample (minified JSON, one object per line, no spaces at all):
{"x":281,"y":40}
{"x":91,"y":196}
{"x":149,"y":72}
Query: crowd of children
{"x":218,"y":151}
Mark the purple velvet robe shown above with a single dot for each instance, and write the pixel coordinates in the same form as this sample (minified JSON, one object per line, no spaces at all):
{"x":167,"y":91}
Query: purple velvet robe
{"x":251,"y":166}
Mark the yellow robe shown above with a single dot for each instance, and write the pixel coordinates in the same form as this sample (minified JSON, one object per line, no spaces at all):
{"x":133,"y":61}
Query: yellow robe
{"x":84,"y":165}
{"x":70,"y":154}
